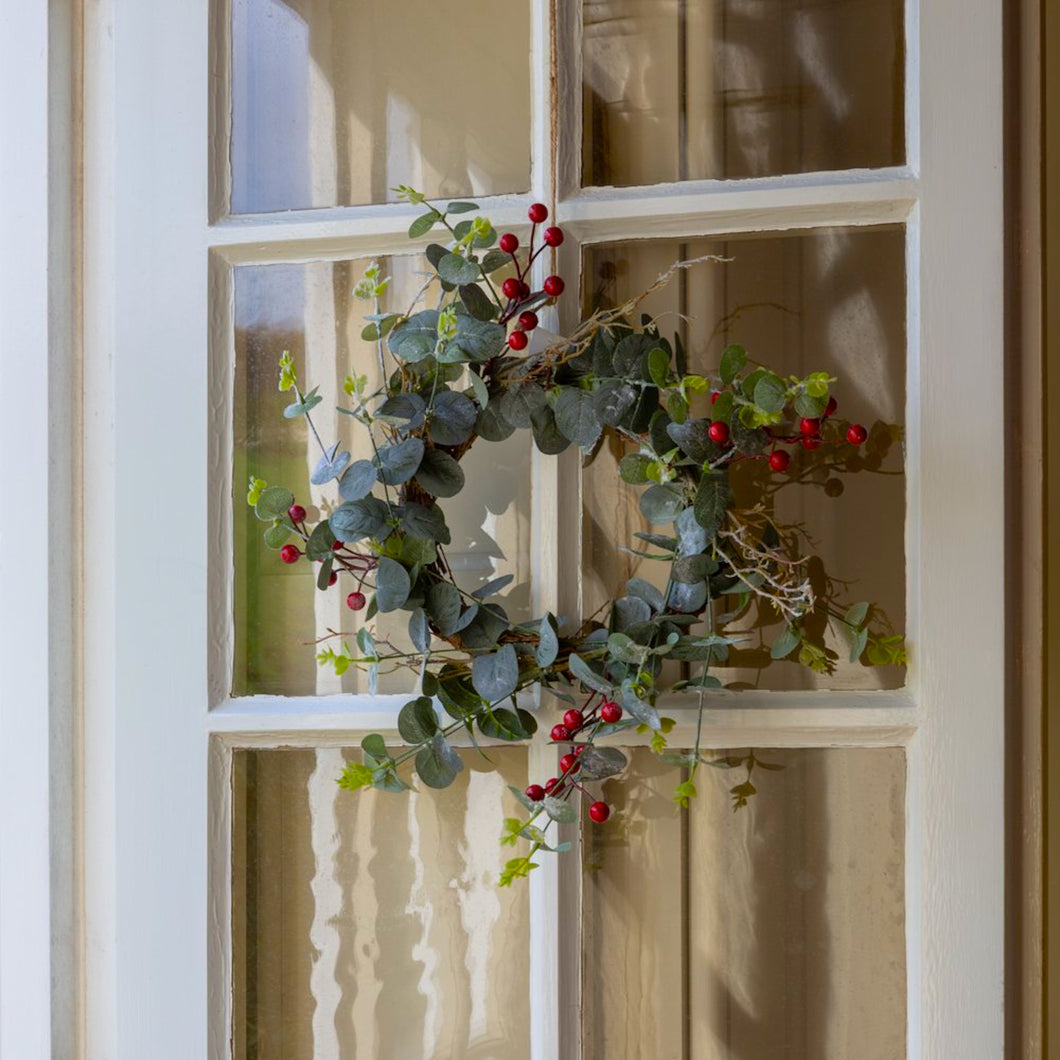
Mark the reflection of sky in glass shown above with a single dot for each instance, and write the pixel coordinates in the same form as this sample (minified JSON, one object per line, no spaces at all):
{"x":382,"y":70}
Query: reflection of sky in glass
{"x":334,"y":102}
{"x":692,"y":89}
{"x":372,"y":925}
{"x":310,"y":310}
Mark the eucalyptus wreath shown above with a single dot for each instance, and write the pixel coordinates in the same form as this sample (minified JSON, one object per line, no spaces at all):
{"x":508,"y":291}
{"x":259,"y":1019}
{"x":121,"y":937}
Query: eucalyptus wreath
{"x":457,"y":369}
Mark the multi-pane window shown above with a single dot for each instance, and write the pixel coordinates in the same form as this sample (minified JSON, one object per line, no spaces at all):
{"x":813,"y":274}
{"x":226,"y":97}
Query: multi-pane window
{"x":370,"y":925}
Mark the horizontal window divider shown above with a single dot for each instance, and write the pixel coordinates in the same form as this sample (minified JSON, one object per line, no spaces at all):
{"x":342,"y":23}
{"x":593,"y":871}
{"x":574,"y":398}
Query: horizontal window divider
{"x":730,"y":719}
{"x":344,"y":232}
{"x":713,"y":207}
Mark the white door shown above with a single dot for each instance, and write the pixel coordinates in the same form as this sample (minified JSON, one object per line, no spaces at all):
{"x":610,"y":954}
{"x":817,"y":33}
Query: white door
{"x":847,"y":157}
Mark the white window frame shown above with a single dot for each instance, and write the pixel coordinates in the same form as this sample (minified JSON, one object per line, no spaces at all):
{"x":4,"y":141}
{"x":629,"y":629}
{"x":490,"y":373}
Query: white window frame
{"x":158,"y":734}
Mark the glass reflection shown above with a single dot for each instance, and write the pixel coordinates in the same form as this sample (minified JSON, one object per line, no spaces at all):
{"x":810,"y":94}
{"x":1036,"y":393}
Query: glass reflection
{"x":280,"y":616}
{"x":696,"y":89}
{"x":774,"y":931}
{"x":370,"y":925}
{"x":335,"y":102}
{"x":825,"y":300}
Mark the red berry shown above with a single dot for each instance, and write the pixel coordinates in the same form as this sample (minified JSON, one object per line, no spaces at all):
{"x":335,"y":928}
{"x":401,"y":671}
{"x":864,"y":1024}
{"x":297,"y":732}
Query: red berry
{"x":809,"y":427}
{"x":719,"y":432}
{"x":524,"y":290}
{"x":553,"y":236}
{"x":355,"y":601}
{"x":599,"y":812}
{"x":528,"y":320}
{"x":297,"y":513}
{"x":510,"y":287}
{"x":779,"y":460}
{"x":560,"y":733}
{"x":508,"y":243}
{"x":332,"y":578}
{"x":714,"y":397}
{"x":830,"y":408}
{"x":338,"y":546}
{"x":579,"y":749}
{"x":857,"y":434}
{"x":517,"y":340}
{"x":810,"y":443}
{"x":537,"y":213}
{"x":568,"y":762}
{"x":553,"y":286}
{"x":551,"y":784}
{"x":610,"y":712}
{"x":573,"y":719}
{"x":535,"y":793}
{"x":290,"y":553}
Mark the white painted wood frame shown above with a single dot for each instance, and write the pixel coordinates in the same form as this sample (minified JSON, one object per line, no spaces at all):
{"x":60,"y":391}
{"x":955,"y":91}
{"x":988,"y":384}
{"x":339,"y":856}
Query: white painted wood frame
{"x":159,"y":724}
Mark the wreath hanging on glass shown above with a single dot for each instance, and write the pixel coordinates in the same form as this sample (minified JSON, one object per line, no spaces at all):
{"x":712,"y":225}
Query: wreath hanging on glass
{"x":458,"y":370}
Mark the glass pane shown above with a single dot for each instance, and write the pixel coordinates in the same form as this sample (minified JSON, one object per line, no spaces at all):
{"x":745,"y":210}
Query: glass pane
{"x":827,"y":300}
{"x":774,"y":931}
{"x":279,"y":614}
{"x":335,"y":102}
{"x":370,"y":925}
{"x":727,"y":89}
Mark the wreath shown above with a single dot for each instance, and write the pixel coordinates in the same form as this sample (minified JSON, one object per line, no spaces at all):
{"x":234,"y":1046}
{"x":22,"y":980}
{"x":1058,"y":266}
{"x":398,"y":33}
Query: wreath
{"x":461,"y":372}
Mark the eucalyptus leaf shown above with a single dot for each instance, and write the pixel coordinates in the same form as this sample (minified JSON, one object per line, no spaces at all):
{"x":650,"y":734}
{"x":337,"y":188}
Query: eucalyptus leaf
{"x":733,"y":361}
{"x":548,"y":438}
{"x":492,"y":424}
{"x":633,"y":468}
{"x":576,"y":418}
{"x":599,"y":763}
{"x":277,"y":535}
{"x":661,"y":504}
{"x":478,"y":339}
{"x":502,"y":724}
{"x":415,"y":338}
{"x":519,"y":404}
{"x":361,"y":476}
{"x":494,"y":586}
{"x":588,"y":677}
{"x":419,"y":630}
{"x":366,"y":517}
{"x":424,"y":223}
{"x":560,"y":811}
{"x":392,"y":584}
{"x":628,"y":611}
{"x":437,"y":764}
{"x":712,"y":502}
{"x":496,"y":676}
{"x":324,"y":574}
{"x":273,"y":503}
{"x":647,"y":592}
{"x":321,"y":540}
{"x":638,"y":708}
{"x":547,"y":643}
{"x":612,"y":400}
{"x":399,"y":462}
{"x":457,"y":270}
{"x":452,"y":417}
{"x":329,"y":466}
{"x":402,"y":410}
{"x":785,"y":644}
{"x":687,"y":597}
{"x":770,"y":393}
{"x":417,"y":721}
{"x":439,"y":474}
{"x":443,"y":605}
{"x":477,"y":302}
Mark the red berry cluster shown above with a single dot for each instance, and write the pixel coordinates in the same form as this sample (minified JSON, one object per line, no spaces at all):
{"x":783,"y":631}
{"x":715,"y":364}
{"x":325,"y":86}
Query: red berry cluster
{"x":516,"y":289}
{"x":353,"y":562}
{"x":575,"y":722}
{"x":809,"y":436}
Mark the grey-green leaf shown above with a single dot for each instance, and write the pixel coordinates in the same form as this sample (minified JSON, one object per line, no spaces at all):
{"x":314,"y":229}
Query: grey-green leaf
{"x":443,"y":605}
{"x":438,"y":764}
{"x":354,"y":520}
{"x":398,"y":463}
{"x":588,"y":677}
{"x":329,"y":466}
{"x":560,"y":811}
{"x":785,"y":644}
{"x":424,"y":223}
{"x":732,"y":362}
{"x":419,"y":631}
{"x":712,"y":501}
{"x":320,"y":541}
{"x":452,"y":418}
{"x":547,"y":642}
{"x":392,"y":584}
{"x":415,"y":338}
{"x":478,"y":339}
{"x":358,"y":481}
{"x":661,"y":504}
{"x":456,"y":269}
{"x":439,"y":474}
{"x":273,"y":503}
{"x":575,"y":414}
{"x":770,"y":393}
{"x":417,"y":721}
{"x":496,"y":676}
{"x":598,"y":763}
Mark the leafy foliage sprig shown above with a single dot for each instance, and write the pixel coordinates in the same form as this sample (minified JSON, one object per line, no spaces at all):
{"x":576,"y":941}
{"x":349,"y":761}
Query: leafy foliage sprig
{"x":458,"y":372}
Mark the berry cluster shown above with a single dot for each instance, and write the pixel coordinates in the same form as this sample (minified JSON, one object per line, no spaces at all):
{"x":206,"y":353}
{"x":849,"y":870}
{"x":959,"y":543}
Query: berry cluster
{"x":810,"y":435}
{"x":355,"y":563}
{"x":605,"y":712}
{"x":521,"y":298}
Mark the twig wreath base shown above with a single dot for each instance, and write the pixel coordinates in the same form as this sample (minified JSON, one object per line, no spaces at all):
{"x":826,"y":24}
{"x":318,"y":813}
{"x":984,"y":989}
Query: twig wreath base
{"x":458,"y":373}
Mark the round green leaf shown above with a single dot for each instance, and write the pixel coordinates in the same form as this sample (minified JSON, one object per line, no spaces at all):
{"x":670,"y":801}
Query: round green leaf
{"x":392,"y":584}
{"x":439,"y":474}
